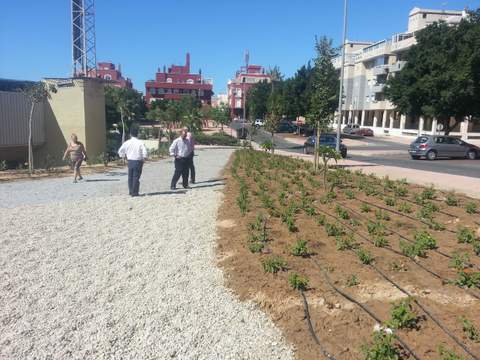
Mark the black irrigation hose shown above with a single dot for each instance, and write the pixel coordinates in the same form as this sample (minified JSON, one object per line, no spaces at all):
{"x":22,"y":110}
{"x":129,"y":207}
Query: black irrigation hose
{"x":311,"y":329}
{"x":400,"y":214}
{"x":470,"y":265}
{"x":443,"y":280}
{"x":363,"y":307}
{"x":435,"y":320}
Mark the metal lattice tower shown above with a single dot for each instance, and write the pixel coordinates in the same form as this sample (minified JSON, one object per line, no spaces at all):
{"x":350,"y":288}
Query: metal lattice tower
{"x":83,"y":38}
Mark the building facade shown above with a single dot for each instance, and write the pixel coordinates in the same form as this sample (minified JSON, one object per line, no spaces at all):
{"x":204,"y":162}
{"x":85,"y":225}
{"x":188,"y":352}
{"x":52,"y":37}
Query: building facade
{"x":244,"y":80}
{"x":178,"y":81}
{"x":108,"y":72}
{"x":367,"y":68}
{"x":219,"y":99}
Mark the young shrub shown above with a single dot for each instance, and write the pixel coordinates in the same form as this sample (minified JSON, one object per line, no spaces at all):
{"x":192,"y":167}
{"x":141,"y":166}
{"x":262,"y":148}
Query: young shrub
{"x":469,"y":329}
{"x":412,"y":250}
{"x":466,"y":235}
{"x":354,"y":222}
{"x":376,"y":228}
{"x":334,"y":230}
{"x":476,"y":247}
{"x":274,"y":264}
{"x":451,"y":199}
{"x":349,"y":194}
{"x":297,"y":282}
{"x":405,"y":208}
{"x":300,"y":248}
{"x":468,"y":279}
{"x":447,"y":354}
{"x":256,"y":247}
{"x":346,"y":242}
{"x":401,"y":191}
{"x":365,"y":208}
{"x":321,"y":220}
{"x":342,"y":213}
{"x":352,"y":281}
{"x":381,"y":348}
{"x":310,"y":211}
{"x":471,"y":208}
{"x":402,"y":316}
{"x":425,"y":240}
{"x":382,"y":215}
{"x":380,"y":241}
{"x":364,"y":256}
{"x":428,"y":193}
{"x":390,"y":201}
{"x":459,"y":261}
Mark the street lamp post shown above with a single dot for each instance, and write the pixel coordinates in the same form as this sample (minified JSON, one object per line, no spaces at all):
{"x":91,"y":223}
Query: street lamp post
{"x":342,"y":74}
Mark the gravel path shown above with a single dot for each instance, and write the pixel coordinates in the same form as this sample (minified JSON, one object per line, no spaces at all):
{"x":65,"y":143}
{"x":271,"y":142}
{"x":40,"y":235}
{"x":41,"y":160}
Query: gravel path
{"x":123,"y":278}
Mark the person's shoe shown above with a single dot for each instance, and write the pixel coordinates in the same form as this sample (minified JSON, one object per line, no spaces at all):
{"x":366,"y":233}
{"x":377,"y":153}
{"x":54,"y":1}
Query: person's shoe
{"x":75,"y":181}
{"x":80,"y":178}
{"x":192,"y":182}
{"x":187,"y":187}
{"x":173,"y":188}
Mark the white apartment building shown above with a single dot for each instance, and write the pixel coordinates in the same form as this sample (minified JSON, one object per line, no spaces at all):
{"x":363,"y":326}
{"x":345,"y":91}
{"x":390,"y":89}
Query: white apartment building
{"x":367,"y":66}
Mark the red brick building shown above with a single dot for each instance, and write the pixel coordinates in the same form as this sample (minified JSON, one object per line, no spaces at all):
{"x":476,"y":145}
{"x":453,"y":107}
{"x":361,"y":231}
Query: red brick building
{"x":107,"y":71}
{"x":178,"y":81}
{"x":245,"y":79}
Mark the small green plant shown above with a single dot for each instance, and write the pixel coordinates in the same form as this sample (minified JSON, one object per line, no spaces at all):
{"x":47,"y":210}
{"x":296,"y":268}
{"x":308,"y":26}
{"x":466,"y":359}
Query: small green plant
{"x":354,"y":222}
{"x":334,"y":230}
{"x":401,"y":191}
{"x":412,"y":250}
{"x":405,"y":208}
{"x":402,"y":315}
{"x":321,"y":220}
{"x":451,"y":199}
{"x":471,"y":208}
{"x":256,"y":247}
{"x":395,"y":266}
{"x":382,"y":215}
{"x":346,"y":242}
{"x":274,"y":264}
{"x":297,"y":282}
{"x":380,"y":241}
{"x":447,"y":354}
{"x":376,"y":228}
{"x":300,"y":248}
{"x":365,"y":208}
{"x":459,"y":261}
{"x":342,"y":213}
{"x":468,"y":279}
{"x":381,"y":348}
{"x":466,"y":235}
{"x":310,"y":211}
{"x":349,"y":194}
{"x":476,"y":247}
{"x":390,"y":201}
{"x":425,"y":240}
{"x":469,"y":329}
{"x":352,"y":280}
{"x":242,"y":199}
{"x":428,"y":193}
{"x":364,"y":256}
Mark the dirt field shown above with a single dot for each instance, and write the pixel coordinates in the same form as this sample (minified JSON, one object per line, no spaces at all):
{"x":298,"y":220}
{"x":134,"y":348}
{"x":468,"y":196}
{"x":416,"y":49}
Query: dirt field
{"x":375,"y":240}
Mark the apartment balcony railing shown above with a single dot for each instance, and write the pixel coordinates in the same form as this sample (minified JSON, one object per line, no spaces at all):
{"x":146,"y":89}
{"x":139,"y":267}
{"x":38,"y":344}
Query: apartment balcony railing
{"x":399,"y":65}
{"x":349,"y":60}
{"x":379,"y":88}
{"x":375,"y":50}
{"x":401,"y":45}
{"x":380,"y":70}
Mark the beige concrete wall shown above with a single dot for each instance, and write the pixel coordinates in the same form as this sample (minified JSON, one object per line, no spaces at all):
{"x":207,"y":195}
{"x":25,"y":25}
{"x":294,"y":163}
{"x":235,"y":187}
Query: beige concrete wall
{"x":77,"y":107}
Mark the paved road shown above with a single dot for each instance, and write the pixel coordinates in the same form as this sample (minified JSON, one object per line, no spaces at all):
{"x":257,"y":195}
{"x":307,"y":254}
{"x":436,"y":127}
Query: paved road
{"x":470,"y":168}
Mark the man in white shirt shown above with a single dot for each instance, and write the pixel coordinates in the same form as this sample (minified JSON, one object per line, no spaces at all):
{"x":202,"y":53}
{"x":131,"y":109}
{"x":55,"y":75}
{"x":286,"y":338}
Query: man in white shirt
{"x":180,"y":150}
{"x":136,"y":153}
{"x":191,"y":166}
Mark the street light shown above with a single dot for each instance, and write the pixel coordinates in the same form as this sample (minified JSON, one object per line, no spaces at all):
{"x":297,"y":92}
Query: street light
{"x":342,"y":74}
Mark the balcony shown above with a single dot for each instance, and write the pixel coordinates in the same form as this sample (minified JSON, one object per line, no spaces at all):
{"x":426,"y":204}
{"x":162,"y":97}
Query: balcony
{"x":399,"y":65}
{"x":380,"y":70}
{"x":349,"y":60}
{"x":378,"y":88}
{"x":399,"y":45}
{"x":371,"y":52}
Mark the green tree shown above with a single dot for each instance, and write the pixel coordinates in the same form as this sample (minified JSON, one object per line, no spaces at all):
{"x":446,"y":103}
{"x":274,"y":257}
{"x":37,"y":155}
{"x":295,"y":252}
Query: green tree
{"x":257,"y":100}
{"x":324,"y":92}
{"x":221,"y":115}
{"x":275,"y":110}
{"x":35,"y":93}
{"x":442,"y":76}
{"x":297,"y":92}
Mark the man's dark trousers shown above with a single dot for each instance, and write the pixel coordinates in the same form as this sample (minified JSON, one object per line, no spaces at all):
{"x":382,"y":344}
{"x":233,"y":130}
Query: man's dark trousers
{"x":191,"y":167}
{"x":181,"y":169}
{"x":134,"y":172}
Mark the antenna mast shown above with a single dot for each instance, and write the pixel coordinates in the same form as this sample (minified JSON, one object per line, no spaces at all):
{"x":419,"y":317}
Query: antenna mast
{"x":84,"y":57}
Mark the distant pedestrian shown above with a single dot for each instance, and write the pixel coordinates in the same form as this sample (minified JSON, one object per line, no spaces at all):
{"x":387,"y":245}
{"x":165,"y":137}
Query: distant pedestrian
{"x":180,"y":150}
{"x":77,"y":153}
{"x":136,"y":153}
{"x":191,"y":166}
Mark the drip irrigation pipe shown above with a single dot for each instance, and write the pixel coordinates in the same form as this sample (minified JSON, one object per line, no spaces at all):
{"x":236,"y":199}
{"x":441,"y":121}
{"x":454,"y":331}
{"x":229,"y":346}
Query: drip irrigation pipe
{"x":363,"y":307}
{"x":435,"y":320}
{"x":311,"y":329}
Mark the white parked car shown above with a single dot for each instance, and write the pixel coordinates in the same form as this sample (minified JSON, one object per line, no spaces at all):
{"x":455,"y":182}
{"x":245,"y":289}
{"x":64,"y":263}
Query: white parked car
{"x":259,"y":122}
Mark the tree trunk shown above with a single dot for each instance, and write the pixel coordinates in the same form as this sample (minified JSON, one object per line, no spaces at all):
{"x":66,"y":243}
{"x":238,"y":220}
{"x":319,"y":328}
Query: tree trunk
{"x":123,"y":125}
{"x":317,"y":146}
{"x":273,"y":143}
{"x":30,"y":139}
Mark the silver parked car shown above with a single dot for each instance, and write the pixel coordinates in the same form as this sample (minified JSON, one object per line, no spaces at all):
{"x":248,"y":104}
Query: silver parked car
{"x":435,"y":146}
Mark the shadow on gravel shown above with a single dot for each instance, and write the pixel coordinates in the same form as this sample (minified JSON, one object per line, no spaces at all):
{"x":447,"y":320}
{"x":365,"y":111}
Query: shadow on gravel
{"x":166,"y":193}
{"x":116,"y":174}
{"x":101,"y":180}
{"x":210,"y":181}
{"x":208,"y":185}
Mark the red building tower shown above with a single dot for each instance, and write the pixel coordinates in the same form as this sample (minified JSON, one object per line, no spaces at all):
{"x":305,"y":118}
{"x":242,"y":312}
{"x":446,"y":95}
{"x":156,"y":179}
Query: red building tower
{"x":178,"y":81}
{"x":112,"y":75}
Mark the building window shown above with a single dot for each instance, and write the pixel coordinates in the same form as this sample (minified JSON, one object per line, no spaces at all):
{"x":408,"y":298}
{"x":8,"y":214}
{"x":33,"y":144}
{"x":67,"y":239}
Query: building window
{"x":151,"y":91}
{"x":200,"y":92}
{"x":189,"y":81}
{"x":169,"y":80}
{"x":424,"y":16}
{"x":238,"y":104}
{"x":108,"y":77}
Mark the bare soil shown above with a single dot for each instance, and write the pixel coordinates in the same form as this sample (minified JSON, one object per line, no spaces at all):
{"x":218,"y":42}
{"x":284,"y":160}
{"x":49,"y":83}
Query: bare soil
{"x":341,"y":326}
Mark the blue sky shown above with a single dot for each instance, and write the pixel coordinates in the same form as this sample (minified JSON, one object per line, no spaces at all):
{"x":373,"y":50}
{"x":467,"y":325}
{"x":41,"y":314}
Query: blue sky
{"x":144,"y":34}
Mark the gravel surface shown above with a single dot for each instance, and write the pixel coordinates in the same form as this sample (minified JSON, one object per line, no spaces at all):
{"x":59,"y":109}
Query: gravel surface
{"x":87,"y":272}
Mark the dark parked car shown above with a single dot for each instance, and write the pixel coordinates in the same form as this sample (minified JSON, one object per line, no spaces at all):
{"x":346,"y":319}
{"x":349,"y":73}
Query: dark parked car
{"x":326,"y":140}
{"x":286,"y":127}
{"x":355,"y":129}
{"x":434,"y":146}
